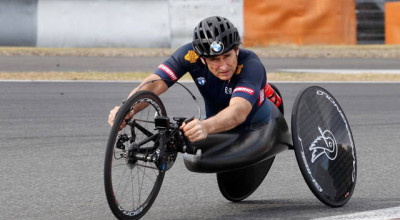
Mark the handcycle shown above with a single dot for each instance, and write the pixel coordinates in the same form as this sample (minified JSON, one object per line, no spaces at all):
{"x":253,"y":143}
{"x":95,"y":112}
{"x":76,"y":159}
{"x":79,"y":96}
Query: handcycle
{"x":138,"y":156}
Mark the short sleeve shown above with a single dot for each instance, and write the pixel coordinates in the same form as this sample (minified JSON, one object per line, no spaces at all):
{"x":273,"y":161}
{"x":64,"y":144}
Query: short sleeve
{"x":250,"y":82}
{"x":175,"y":66}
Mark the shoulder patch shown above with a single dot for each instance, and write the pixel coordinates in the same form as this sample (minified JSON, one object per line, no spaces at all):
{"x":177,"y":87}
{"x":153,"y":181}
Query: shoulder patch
{"x":239,"y":69}
{"x":191,"y":56}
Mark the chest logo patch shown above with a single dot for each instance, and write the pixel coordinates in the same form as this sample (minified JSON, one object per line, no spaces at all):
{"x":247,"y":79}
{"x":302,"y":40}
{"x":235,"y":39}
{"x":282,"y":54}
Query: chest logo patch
{"x":191,"y":56}
{"x":201,"y":81}
{"x":228,"y":90}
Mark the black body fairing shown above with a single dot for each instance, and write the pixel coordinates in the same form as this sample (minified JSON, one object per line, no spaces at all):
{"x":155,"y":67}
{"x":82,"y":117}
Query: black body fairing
{"x":231,"y":151}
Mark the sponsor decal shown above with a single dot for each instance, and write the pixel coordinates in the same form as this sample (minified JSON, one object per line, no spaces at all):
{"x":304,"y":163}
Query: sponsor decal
{"x":168,"y":71}
{"x":324,"y":144}
{"x":228,"y":90}
{"x":244,"y":89}
{"x":261,"y":97}
{"x":324,"y":94}
{"x":239,"y":69}
{"x":131,"y":213}
{"x":303,"y":156}
{"x":217,"y":47}
{"x":201,"y":81}
{"x":191,"y":56}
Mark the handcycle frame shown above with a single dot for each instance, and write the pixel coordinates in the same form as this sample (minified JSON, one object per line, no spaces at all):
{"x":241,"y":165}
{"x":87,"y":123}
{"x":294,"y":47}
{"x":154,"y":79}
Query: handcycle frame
{"x":170,"y":140}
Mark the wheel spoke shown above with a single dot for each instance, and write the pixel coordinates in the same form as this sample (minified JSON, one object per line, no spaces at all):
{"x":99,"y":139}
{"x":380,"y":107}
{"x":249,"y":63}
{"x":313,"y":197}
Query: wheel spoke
{"x":120,"y":186}
{"x":143,"y":171}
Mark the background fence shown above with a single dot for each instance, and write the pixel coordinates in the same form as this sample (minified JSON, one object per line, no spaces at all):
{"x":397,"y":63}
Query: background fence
{"x":169,"y":23}
{"x":370,"y":21}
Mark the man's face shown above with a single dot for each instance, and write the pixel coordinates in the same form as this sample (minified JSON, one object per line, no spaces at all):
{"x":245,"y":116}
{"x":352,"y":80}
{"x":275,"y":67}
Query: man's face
{"x":224,"y":65}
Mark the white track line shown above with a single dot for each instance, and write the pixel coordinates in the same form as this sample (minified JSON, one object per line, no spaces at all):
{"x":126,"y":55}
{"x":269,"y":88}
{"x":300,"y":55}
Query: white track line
{"x":381,"y":214}
{"x":341,"y":71}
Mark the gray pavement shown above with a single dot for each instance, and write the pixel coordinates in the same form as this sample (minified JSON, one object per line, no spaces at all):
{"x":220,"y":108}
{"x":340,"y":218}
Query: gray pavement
{"x":53,"y":137}
{"x":149,"y":64}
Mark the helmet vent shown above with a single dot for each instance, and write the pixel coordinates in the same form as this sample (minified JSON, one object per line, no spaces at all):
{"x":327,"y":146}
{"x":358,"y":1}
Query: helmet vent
{"x":209,"y":35}
{"x":222,"y":27}
{"x":202,"y":36}
{"x":216,"y":32}
{"x":225,"y":40}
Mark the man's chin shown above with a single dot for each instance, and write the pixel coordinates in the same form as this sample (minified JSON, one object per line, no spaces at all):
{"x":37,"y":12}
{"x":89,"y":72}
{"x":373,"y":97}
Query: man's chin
{"x":225,"y":76}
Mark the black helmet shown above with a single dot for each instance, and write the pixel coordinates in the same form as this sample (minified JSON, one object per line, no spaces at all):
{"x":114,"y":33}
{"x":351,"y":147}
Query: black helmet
{"x":214,"y":36}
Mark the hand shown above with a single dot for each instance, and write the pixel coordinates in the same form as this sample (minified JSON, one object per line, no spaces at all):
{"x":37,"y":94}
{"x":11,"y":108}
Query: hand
{"x":113,"y":112}
{"x":194,"y":130}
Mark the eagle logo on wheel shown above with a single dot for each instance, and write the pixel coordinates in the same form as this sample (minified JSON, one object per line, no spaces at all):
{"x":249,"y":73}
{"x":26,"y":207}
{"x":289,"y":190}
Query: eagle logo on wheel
{"x":324,"y":144}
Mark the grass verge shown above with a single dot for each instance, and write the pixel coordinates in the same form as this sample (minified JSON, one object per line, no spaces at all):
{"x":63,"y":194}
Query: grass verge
{"x":312,"y":51}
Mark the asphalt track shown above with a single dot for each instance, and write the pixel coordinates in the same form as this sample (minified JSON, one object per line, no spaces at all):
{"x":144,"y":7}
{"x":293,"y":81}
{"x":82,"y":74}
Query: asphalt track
{"x":53,"y":137}
{"x":148,"y":64}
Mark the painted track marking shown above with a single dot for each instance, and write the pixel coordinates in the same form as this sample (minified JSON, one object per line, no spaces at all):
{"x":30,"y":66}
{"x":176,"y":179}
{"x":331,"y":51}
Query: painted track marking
{"x":388,"y":213}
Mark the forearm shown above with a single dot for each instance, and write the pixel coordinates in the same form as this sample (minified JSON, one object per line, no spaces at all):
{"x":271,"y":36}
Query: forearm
{"x":232,"y":116}
{"x":219,"y":123}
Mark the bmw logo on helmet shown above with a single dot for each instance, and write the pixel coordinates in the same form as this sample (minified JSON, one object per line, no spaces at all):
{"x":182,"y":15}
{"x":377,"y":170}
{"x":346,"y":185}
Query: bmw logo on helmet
{"x":217,"y":47}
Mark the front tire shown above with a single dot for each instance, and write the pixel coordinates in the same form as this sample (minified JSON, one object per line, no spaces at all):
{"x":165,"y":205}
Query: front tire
{"x":132,"y":184}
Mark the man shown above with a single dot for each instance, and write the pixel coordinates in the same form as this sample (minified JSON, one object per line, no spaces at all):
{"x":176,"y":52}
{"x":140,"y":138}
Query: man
{"x":232,"y":81}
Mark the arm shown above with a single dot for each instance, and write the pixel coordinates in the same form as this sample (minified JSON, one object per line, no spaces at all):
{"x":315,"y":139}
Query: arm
{"x":232,"y":116}
{"x":158,"y":87}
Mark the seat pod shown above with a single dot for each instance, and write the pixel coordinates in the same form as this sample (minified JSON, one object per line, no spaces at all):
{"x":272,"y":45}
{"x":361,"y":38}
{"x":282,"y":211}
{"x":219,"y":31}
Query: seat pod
{"x":225,"y":152}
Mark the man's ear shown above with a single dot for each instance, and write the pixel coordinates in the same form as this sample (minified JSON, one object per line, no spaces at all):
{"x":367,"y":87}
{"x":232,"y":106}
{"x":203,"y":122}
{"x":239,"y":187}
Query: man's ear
{"x":237,"y":52}
{"x":203,"y":60}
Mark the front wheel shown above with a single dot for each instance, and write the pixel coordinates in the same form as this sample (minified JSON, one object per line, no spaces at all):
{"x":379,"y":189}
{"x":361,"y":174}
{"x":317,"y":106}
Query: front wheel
{"x":132,"y":176}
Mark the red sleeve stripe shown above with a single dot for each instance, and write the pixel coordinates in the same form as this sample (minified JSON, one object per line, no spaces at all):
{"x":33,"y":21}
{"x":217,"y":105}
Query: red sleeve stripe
{"x":168,"y":71}
{"x":244,"y":89}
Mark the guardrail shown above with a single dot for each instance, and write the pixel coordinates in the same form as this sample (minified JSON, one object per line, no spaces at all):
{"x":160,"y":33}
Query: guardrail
{"x":169,"y":23}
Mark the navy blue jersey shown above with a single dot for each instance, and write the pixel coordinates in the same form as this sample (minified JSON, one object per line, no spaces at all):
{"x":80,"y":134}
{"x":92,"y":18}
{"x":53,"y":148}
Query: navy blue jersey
{"x":247,"y":82}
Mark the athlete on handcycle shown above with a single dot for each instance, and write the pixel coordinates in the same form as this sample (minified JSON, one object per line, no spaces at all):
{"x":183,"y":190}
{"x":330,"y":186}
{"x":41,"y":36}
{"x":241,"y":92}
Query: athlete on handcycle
{"x":232,"y":81}
{"x":240,"y":136}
